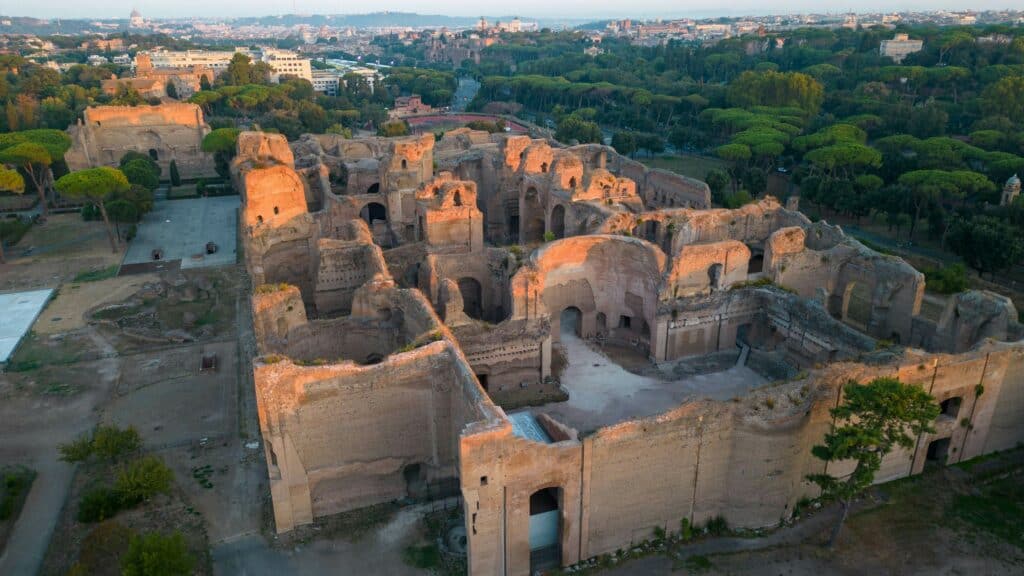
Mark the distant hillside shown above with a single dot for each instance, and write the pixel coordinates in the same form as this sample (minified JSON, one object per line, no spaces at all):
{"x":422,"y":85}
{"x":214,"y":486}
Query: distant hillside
{"x":23,"y":25}
{"x":374,"y":20}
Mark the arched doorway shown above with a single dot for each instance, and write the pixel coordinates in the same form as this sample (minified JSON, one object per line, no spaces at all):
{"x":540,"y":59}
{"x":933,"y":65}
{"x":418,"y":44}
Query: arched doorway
{"x":545,"y":529}
{"x":558,"y":221}
{"x":472,"y":297}
{"x":532,"y":217}
{"x":715,"y":276}
{"x":856,"y":308}
{"x":372,"y":212}
{"x":415,"y":481}
{"x":571,"y":321}
{"x":512,"y":218}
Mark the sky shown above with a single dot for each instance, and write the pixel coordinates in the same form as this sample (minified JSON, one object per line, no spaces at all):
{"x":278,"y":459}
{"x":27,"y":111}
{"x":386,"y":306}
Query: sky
{"x":585,"y":9}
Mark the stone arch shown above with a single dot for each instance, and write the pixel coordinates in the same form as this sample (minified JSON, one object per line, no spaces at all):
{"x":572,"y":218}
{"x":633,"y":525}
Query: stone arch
{"x":558,"y":221}
{"x":374,"y":188}
{"x":572,"y":182}
{"x":472,"y":297}
{"x":154,"y":154}
{"x":571,"y":321}
{"x":372,"y":212}
{"x":405,"y":164}
{"x":531,"y":217}
{"x":415,"y":480}
{"x":856,"y":304}
{"x":457,"y":198}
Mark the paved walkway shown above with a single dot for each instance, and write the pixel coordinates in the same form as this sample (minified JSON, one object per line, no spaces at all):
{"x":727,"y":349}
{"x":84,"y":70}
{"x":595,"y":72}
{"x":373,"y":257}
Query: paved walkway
{"x":181,"y":229}
{"x":27,"y":545}
{"x":33,"y":429}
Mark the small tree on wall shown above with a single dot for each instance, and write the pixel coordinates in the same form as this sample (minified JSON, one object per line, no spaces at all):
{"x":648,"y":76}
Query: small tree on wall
{"x":875,"y":418}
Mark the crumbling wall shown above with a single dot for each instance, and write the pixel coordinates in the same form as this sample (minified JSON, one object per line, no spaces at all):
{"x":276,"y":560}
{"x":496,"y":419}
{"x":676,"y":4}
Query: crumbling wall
{"x":745,"y":460}
{"x":613,"y":276}
{"x":879,"y":294}
{"x":167,"y":132}
{"x":703,"y":268}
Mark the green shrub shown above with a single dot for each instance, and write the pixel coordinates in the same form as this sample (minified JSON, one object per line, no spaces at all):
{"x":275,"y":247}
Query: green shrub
{"x":12,"y":229}
{"x":99,"y":504}
{"x":549,"y":236}
{"x":77,"y":450}
{"x":112,"y":443}
{"x":946,"y":279}
{"x":142,"y":479}
{"x":698,"y":563}
{"x":96,"y":274}
{"x":154,"y":554}
{"x":685,"y":529}
{"x":422,"y":557}
{"x":717,"y":526}
{"x":16,"y":484}
{"x":107,"y":443}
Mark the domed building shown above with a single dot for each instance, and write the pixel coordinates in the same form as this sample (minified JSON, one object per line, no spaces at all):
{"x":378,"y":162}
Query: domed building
{"x":1010,"y":190}
{"x":136,"y":20}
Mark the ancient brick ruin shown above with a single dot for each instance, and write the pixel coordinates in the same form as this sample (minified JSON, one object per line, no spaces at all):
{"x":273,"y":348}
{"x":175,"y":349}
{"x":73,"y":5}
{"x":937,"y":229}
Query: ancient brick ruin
{"x":165,"y":132}
{"x":450,"y":317}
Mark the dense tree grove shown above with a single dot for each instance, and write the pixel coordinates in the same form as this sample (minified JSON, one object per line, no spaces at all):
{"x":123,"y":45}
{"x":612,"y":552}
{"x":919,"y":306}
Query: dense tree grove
{"x":926,"y":144}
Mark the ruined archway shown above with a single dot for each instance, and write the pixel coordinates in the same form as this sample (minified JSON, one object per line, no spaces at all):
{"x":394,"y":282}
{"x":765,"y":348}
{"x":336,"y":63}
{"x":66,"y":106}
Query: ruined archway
{"x":374,"y":188}
{"x":472,"y":297}
{"x":531,"y":217}
{"x":571,"y":321}
{"x":372,"y":212}
{"x":856,"y":305}
{"x":558,"y":221}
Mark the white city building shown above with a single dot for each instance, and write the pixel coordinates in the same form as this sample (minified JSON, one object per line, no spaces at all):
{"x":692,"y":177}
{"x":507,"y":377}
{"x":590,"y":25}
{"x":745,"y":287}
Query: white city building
{"x":282,"y":62}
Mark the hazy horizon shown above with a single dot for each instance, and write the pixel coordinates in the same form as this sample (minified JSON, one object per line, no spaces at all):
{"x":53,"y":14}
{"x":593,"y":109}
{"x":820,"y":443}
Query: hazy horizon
{"x":570,"y":9}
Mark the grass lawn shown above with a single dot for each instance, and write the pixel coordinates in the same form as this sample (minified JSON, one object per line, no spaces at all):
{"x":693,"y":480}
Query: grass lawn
{"x":687,"y":165}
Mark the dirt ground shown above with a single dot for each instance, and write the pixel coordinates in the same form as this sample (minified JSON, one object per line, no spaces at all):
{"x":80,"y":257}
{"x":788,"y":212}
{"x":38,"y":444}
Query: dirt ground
{"x":129,"y":350}
{"x":55,"y":252}
{"x":67,"y":311}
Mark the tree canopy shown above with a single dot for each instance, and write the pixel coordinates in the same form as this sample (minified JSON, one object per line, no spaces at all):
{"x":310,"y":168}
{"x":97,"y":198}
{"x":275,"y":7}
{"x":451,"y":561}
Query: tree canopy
{"x":873,"y":419}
